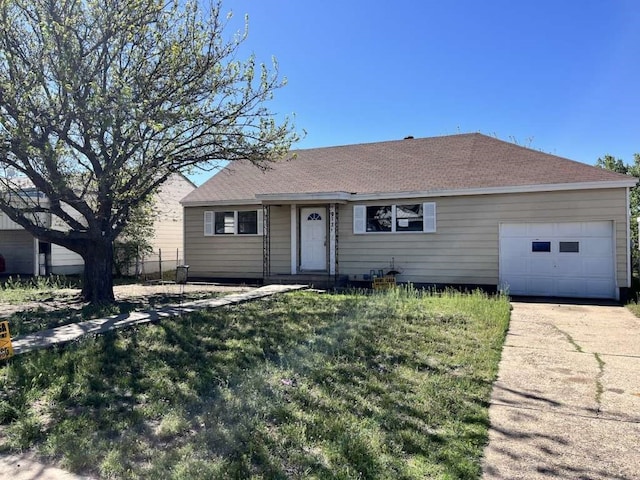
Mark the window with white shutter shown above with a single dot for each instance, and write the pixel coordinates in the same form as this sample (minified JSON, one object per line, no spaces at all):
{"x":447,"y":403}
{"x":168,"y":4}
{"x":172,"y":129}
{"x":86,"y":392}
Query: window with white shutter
{"x":429,"y":217}
{"x":233,"y":222}
{"x":401,"y":218}
{"x":208,"y":223}
{"x":359,"y":219}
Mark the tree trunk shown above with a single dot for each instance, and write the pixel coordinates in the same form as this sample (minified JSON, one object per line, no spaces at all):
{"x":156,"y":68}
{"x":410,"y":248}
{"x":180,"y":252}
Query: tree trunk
{"x":98,"y":273}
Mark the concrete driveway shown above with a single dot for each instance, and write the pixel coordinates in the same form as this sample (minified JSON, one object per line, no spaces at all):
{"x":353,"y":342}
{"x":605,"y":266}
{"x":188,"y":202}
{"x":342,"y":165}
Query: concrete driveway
{"x":567,"y":400}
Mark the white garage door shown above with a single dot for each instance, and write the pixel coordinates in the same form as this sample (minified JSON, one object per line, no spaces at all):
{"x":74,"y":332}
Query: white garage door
{"x":558,"y":259}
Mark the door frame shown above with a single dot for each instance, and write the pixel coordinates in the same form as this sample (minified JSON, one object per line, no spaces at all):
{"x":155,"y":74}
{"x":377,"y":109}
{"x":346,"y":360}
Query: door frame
{"x":322,"y":209}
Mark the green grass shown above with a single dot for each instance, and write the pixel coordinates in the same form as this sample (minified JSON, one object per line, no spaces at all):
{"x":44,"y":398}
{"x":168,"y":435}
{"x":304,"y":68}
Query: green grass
{"x":394,"y":385}
{"x":635,"y":308}
{"x":17,"y":290}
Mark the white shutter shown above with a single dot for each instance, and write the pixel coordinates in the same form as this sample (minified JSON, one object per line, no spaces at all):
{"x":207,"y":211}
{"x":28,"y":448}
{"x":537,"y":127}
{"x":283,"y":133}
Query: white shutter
{"x":429,"y":216}
{"x":208,"y":223}
{"x":260,"y":222}
{"x":359,"y":219}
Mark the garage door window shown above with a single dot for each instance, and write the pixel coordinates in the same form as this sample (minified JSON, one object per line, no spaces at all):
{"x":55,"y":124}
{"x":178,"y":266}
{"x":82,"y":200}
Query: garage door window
{"x":540,"y":246}
{"x":569,"y":247}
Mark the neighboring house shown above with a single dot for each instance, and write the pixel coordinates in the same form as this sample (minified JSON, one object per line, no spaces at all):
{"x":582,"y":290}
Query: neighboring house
{"x":456,"y":210}
{"x":26,"y":255}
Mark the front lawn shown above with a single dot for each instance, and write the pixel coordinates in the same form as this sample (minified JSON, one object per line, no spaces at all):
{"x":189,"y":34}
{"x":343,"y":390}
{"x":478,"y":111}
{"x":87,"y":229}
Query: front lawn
{"x":301,"y":385}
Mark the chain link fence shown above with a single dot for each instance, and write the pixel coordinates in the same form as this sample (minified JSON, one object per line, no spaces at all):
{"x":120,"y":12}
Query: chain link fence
{"x":155,"y":265}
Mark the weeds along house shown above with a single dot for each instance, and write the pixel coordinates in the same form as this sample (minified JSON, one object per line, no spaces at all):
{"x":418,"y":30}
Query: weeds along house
{"x":455,"y":210}
{"x":25,"y":255}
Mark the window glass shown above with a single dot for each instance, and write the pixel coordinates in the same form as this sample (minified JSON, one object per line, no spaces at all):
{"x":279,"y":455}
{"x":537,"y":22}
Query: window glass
{"x":248,"y":223}
{"x":224,"y":223}
{"x":540,"y":246}
{"x":379,"y":218}
{"x":569,"y":247}
{"x":409,"y":218}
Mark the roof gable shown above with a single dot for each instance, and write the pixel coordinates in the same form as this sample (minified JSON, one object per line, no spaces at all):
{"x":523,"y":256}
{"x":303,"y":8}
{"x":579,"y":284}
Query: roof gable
{"x":466,"y":162}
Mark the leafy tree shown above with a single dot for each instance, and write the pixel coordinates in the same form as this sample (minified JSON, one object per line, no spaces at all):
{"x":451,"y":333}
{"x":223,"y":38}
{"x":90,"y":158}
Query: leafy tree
{"x":617,"y":165}
{"x":102,"y":100}
{"x":134,"y":242}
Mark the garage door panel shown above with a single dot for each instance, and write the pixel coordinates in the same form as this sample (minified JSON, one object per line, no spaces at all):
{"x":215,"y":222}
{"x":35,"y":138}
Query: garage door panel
{"x":601,"y":229}
{"x":598,"y":247}
{"x":517,"y":285}
{"x":570,"y":287}
{"x":580,"y":262}
{"x":515,"y":265}
{"x":569,"y":266}
{"x":515,"y":229}
{"x":598,"y":288}
{"x":542,"y":286}
{"x":540,"y":229}
{"x":596,"y":267}
{"x":568,"y":229}
{"x":540,"y":265}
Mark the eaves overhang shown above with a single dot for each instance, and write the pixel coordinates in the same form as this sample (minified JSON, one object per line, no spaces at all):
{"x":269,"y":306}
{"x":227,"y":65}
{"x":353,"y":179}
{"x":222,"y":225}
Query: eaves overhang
{"x":554,"y":187}
{"x":312,"y":197}
{"x":208,"y":203}
{"x":345,"y":197}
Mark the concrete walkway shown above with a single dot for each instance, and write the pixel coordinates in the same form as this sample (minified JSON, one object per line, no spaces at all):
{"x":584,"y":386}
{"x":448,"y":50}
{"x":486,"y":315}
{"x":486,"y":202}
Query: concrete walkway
{"x":567,"y":401}
{"x":68,"y":333}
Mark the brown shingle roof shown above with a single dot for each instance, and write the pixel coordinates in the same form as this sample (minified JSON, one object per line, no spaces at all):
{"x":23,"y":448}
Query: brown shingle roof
{"x":456,"y":162}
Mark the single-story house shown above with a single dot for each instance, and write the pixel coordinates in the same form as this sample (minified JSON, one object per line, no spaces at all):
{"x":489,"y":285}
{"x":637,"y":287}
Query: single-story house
{"x":25,"y":255}
{"x":463,"y":209}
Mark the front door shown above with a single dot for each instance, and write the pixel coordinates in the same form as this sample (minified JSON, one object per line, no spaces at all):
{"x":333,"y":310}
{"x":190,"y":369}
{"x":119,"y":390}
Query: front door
{"x":313,"y":238}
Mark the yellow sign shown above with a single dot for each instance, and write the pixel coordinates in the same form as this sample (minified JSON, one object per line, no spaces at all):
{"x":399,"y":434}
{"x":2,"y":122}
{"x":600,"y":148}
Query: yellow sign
{"x":6,"y":350}
{"x":384,"y":283}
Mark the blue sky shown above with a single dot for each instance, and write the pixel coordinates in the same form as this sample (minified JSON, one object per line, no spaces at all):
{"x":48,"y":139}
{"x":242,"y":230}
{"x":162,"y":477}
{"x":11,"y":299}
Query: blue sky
{"x":559,"y":76}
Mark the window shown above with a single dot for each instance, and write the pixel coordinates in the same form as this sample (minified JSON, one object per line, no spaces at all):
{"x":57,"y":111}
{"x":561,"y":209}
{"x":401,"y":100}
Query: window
{"x":569,"y":247}
{"x":379,"y":219}
{"x":225,"y":223}
{"x":409,"y":218}
{"x":540,"y":246}
{"x":418,"y":217}
{"x":247,"y":222}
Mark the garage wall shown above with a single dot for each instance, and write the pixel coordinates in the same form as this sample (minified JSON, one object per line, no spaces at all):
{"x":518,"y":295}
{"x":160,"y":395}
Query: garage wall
{"x":464,"y":248}
{"x":17,"y":248}
{"x":64,"y":261}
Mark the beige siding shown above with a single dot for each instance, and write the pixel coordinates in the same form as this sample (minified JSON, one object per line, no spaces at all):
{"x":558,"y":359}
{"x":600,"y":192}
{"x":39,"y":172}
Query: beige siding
{"x":464,"y":248}
{"x":280,"y":239}
{"x":225,"y":256}
{"x":168,"y":239}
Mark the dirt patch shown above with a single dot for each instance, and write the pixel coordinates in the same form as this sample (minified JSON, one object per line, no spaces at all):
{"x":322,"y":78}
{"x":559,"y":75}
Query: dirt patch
{"x":162,"y":294}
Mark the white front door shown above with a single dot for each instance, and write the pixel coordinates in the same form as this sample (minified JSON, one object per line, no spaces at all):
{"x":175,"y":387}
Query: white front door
{"x":313,"y":238}
{"x":572,"y":259}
